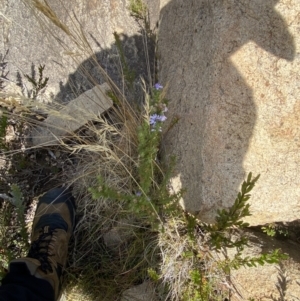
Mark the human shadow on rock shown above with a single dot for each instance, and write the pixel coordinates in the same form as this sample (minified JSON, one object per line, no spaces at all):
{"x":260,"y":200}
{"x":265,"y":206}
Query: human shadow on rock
{"x":124,"y":65}
{"x":212,"y":99}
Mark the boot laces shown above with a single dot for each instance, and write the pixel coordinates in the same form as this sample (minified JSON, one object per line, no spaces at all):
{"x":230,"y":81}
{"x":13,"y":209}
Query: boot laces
{"x":42,"y":249}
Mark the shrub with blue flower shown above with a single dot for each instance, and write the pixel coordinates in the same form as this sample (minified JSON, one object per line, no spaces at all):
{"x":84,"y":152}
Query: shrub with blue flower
{"x":158,"y":86}
{"x":158,"y":108}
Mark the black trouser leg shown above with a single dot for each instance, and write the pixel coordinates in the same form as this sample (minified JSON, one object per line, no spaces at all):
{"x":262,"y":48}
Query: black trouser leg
{"x":20,"y":285}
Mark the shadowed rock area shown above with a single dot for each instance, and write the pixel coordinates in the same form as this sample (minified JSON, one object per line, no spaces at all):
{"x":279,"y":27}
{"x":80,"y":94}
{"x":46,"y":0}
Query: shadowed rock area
{"x":74,"y":115}
{"x":232,"y":68}
{"x":70,"y":67}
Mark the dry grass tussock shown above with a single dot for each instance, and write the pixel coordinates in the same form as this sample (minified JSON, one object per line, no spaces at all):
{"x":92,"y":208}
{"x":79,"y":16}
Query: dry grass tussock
{"x":112,"y":247}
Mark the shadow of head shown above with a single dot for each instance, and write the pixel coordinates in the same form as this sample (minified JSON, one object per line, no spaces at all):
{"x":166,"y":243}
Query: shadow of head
{"x":228,"y":24}
{"x":263,"y":24}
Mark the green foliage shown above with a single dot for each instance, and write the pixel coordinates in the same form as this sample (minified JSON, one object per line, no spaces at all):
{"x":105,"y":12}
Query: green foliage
{"x":219,"y":237}
{"x":138,"y":9}
{"x":154,"y":207}
{"x":228,"y":221}
{"x":113,"y":97}
{"x":157,"y":102}
{"x":151,"y":197}
{"x":233,"y":216}
{"x":13,"y":232}
{"x":277,"y":231}
{"x":269,"y":230}
{"x":153,"y":275}
{"x":3,"y":125}
{"x":238,"y":261}
{"x":147,"y":150}
{"x":284,"y":232}
{"x":37,"y":84}
{"x":198,"y":288}
{"x":20,"y":210}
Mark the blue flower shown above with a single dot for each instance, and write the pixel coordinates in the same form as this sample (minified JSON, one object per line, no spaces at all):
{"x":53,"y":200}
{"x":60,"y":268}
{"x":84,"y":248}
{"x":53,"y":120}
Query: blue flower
{"x":158,"y":86}
{"x":153,"y":119}
{"x":156,"y":118}
{"x":161,"y":118}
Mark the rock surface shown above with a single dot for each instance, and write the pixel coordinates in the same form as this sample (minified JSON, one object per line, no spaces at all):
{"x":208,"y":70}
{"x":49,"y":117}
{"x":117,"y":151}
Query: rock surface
{"x":268,"y":282}
{"x":142,"y":292}
{"x":232,"y":68}
{"x":75,"y":114}
{"x":71,"y":65}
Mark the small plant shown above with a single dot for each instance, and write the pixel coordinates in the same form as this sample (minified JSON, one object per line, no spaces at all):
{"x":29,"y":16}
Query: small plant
{"x":276,"y":230}
{"x":229,"y":222}
{"x":129,"y":75}
{"x":3,"y":126}
{"x":199,"y":288}
{"x":233,"y":217}
{"x":150,"y":197}
{"x":185,"y":257}
{"x":37,"y":84}
{"x":138,"y":9}
{"x":269,"y":230}
{"x":274,"y":257}
{"x":154,"y":276}
{"x":180,"y":234}
{"x":13,"y":232}
{"x":17,"y":198}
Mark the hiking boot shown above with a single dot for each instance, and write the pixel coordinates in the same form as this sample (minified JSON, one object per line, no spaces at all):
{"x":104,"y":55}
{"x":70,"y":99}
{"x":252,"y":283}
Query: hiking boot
{"x":52,"y":228}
